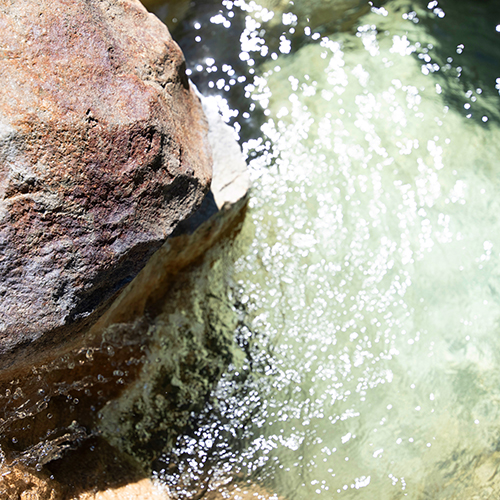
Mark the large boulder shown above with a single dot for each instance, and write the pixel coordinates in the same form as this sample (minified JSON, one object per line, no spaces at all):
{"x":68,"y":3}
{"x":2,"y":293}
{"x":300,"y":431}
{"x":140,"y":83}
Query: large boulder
{"x":103,"y":150}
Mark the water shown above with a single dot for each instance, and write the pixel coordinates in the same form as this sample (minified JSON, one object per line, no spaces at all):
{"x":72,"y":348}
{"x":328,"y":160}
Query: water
{"x":368,"y":278}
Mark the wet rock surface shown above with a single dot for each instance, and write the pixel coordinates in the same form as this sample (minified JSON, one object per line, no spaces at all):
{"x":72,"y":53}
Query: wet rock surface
{"x":95,"y":471}
{"x":103,"y":150}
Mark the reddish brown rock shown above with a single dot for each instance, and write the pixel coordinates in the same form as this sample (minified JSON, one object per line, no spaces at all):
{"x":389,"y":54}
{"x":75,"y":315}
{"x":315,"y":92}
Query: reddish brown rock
{"x":103,"y":150}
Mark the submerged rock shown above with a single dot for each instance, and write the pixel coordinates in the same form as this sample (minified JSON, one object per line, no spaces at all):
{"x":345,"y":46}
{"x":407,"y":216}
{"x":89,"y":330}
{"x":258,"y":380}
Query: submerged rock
{"x":103,"y":150}
{"x":326,"y":16}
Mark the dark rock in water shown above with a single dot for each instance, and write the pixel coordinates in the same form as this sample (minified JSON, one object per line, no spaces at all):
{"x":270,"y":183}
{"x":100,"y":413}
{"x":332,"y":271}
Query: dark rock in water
{"x":103,"y":150}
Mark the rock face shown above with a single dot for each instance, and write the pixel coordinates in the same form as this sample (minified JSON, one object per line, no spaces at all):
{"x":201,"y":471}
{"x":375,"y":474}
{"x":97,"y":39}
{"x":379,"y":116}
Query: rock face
{"x":183,"y":292}
{"x":103,"y":150}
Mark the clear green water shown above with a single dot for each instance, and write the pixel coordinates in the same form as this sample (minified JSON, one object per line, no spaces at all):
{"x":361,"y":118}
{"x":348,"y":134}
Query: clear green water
{"x":368,"y":276}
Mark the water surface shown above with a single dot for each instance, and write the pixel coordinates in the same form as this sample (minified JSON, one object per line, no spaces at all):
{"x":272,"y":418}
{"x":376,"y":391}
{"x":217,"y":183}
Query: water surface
{"x":367,"y":280}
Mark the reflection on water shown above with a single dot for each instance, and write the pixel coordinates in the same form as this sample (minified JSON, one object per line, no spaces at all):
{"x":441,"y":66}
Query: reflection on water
{"x":368,"y":291}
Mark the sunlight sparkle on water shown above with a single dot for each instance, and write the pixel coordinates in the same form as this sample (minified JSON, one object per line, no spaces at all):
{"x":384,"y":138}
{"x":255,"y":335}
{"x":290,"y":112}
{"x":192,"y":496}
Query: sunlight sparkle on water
{"x":368,"y":290}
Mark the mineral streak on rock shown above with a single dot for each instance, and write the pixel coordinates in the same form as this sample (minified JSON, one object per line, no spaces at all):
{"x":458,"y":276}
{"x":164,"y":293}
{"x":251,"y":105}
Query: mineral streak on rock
{"x":103,"y":150}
